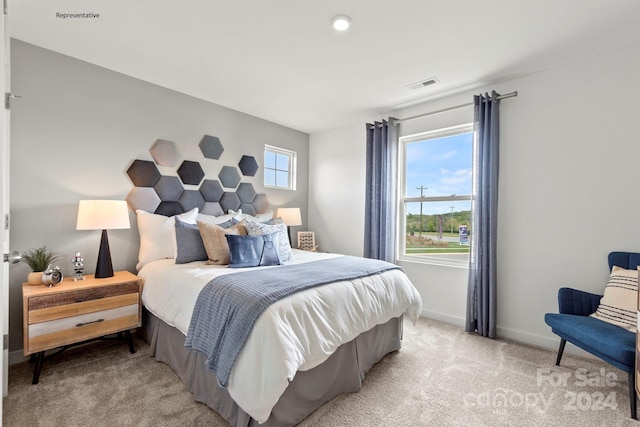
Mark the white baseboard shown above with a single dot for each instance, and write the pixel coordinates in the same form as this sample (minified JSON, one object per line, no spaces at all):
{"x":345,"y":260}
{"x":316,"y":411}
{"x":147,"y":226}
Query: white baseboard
{"x":17,"y":357}
{"x":548,"y":343}
{"x":442,"y":317}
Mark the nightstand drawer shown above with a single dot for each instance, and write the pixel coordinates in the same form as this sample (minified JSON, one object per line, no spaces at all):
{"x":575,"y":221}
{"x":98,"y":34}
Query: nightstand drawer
{"x":79,"y":308}
{"x":60,"y":332}
{"x":75,"y":322}
{"x":81,"y":295}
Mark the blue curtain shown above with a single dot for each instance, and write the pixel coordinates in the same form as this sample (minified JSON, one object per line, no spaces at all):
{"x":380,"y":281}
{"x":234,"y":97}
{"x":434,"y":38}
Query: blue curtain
{"x":381,"y":191}
{"x":481,"y":292}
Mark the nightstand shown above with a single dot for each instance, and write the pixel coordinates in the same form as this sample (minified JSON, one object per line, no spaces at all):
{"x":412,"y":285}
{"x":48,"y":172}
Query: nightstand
{"x":71,"y":313}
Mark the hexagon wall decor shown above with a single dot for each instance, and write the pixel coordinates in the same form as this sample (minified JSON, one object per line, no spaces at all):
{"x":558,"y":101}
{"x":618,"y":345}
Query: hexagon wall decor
{"x":248,"y":208}
{"x":190,"y":172}
{"x":211,"y":147}
{"x":144,"y":198}
{"x":211,"y":190}
{"x":212,"y":208}
{"x":190,"y":199}
{"x":229,"y":200}
{"x":248,"y":165}
{"x":261,"y":203}
{"x":246,"y":193}
{"x":164,"y":153}
{"x":229,"y":177}
{"x":169,"y":188}
{"x":170,"y":195}
{"x":143,"y":173}
{"x":169,"y":209}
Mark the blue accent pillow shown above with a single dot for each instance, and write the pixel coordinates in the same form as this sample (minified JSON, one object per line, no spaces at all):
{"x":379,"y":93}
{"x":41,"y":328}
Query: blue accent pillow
{"x":281,"y":240}
{"x":189,"y":243}
{"x":227,"y":224}
{"x":252,"y":251}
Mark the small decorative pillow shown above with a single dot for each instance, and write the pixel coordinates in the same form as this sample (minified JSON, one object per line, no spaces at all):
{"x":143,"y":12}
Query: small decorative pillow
{"x":224,"y":221}
{"x":189,"y":243}
{"x":282,"y":242}
{"x":274,"y":221}
{"x":618,"y":305}
{"x":157,"y":235}
{"x":239,"y":216}
{"x":215,"y":243}
{"x":252,"y":251}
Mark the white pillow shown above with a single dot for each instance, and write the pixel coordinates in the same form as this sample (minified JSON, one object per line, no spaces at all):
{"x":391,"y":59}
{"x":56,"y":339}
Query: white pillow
{"x":264,"y":217}
{"x":239,"y":216}
{"x":158,"y":236}
{"x":216,"y":220}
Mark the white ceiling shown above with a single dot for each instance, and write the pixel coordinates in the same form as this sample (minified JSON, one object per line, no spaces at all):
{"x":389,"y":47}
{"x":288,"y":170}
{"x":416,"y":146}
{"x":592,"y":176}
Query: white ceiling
{"x":280,"y":59}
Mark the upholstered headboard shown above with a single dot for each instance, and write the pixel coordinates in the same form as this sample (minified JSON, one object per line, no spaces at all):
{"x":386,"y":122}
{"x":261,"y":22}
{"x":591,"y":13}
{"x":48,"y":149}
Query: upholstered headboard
{"x":188,"y":187}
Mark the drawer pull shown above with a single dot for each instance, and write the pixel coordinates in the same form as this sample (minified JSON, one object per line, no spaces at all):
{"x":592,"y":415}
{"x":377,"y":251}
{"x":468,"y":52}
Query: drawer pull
{"x":88,"y":323}
{"x":89,"y":299}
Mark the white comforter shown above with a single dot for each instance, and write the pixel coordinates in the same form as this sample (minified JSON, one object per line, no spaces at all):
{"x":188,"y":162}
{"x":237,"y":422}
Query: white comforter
{"x":295,"y":334}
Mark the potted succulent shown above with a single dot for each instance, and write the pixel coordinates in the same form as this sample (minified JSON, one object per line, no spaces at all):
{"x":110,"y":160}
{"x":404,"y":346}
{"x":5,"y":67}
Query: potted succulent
{"x":38,"y":259}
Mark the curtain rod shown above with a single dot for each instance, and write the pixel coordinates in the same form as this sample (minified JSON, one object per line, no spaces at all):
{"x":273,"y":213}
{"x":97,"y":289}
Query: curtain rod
{"x":457,"y":107}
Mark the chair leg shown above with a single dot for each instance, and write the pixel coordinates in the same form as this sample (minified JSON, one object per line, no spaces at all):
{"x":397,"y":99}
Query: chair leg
{"x":560,"y":350}
{"x":632,"y":394}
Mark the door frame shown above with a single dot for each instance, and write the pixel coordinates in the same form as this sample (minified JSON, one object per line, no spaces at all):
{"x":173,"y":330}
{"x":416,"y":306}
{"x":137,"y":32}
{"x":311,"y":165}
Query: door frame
{"x":5,"y":78}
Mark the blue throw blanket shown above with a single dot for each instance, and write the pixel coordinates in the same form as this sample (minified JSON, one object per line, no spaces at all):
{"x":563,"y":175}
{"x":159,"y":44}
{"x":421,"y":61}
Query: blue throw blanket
{"x":229,"y":305}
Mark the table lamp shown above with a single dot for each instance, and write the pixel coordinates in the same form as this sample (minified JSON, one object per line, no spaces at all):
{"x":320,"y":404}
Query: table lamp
{"x":291,"y":217}
{"x":103,"y":215}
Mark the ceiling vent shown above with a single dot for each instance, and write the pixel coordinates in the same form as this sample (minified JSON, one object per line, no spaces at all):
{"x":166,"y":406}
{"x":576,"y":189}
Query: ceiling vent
{"x":423,"y":83}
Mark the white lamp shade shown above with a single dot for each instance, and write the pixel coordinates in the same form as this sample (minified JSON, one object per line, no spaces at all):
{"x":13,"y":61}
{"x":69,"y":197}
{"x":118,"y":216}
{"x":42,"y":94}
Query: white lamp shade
{"x":290,"y":216}
{"x":102,"y":215}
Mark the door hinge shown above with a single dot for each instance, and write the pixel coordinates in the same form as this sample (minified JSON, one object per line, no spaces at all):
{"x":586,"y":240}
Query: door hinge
{"x":5,"y":342}
{"x":8,"y":96}
{"x":5,"y":8}
{"x":6,"y":221}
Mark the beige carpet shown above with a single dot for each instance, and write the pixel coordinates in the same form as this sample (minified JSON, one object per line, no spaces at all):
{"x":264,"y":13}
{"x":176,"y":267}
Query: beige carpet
{"x":441,"y":377}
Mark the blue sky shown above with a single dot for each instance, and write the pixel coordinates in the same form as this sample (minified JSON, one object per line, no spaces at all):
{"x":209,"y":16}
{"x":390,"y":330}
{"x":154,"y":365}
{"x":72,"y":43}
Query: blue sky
{"x":443,"y":165}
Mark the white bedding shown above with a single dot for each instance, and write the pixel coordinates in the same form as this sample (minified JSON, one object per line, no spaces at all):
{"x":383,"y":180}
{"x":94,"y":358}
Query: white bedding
{"x":295,"y":334}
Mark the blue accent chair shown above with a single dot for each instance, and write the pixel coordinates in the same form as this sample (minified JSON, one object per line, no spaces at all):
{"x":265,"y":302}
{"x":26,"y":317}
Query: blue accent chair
{"x":611,"y":343}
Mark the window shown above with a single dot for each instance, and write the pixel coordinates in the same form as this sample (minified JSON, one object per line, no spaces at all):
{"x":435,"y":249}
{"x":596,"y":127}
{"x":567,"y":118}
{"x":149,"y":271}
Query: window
{"x":435,"y":202}
{"x":279,"y":168}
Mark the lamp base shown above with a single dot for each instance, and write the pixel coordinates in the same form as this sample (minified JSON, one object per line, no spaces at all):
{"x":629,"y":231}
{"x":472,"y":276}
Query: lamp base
{"x":104,"y":268}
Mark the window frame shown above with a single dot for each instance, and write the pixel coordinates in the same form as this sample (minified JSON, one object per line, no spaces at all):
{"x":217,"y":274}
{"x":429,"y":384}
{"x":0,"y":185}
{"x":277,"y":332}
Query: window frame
{"x":292,"y":172}
{"x":432,"y":259}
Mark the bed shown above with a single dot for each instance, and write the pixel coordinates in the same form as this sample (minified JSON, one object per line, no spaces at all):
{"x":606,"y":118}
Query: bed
{"x":303,"y":350}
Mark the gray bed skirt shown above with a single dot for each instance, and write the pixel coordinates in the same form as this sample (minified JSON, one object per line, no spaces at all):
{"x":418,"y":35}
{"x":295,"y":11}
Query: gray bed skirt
{"x":342,"y":373}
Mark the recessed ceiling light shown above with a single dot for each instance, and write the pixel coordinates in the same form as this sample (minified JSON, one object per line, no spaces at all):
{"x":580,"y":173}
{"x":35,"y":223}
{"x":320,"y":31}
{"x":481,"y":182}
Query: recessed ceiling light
{"x":341,"y":22}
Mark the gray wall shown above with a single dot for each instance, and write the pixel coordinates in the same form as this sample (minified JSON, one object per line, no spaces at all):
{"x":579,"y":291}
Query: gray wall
{"x":568,"y":189}
{"x":75,"y":132}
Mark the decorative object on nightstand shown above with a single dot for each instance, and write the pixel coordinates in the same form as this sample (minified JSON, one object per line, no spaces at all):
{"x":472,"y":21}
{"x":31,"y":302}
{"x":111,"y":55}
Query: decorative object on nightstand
{"x":78,"y":267}
{"x":103,"y":215}
{"x":291,"y":217}
{"x":76,"y":312}
{"x":52,"y":276}
{"x":307,"y":241}
{"x":40,"y":260}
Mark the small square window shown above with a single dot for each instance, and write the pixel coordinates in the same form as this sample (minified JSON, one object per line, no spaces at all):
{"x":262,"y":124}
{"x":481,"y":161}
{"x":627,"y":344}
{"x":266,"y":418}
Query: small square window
{"x":279,"y":168}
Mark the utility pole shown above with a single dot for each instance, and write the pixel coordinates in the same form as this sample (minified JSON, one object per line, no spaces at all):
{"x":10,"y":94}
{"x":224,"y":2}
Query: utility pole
{"x":421,"y":188}
{"x":451,"y":220}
